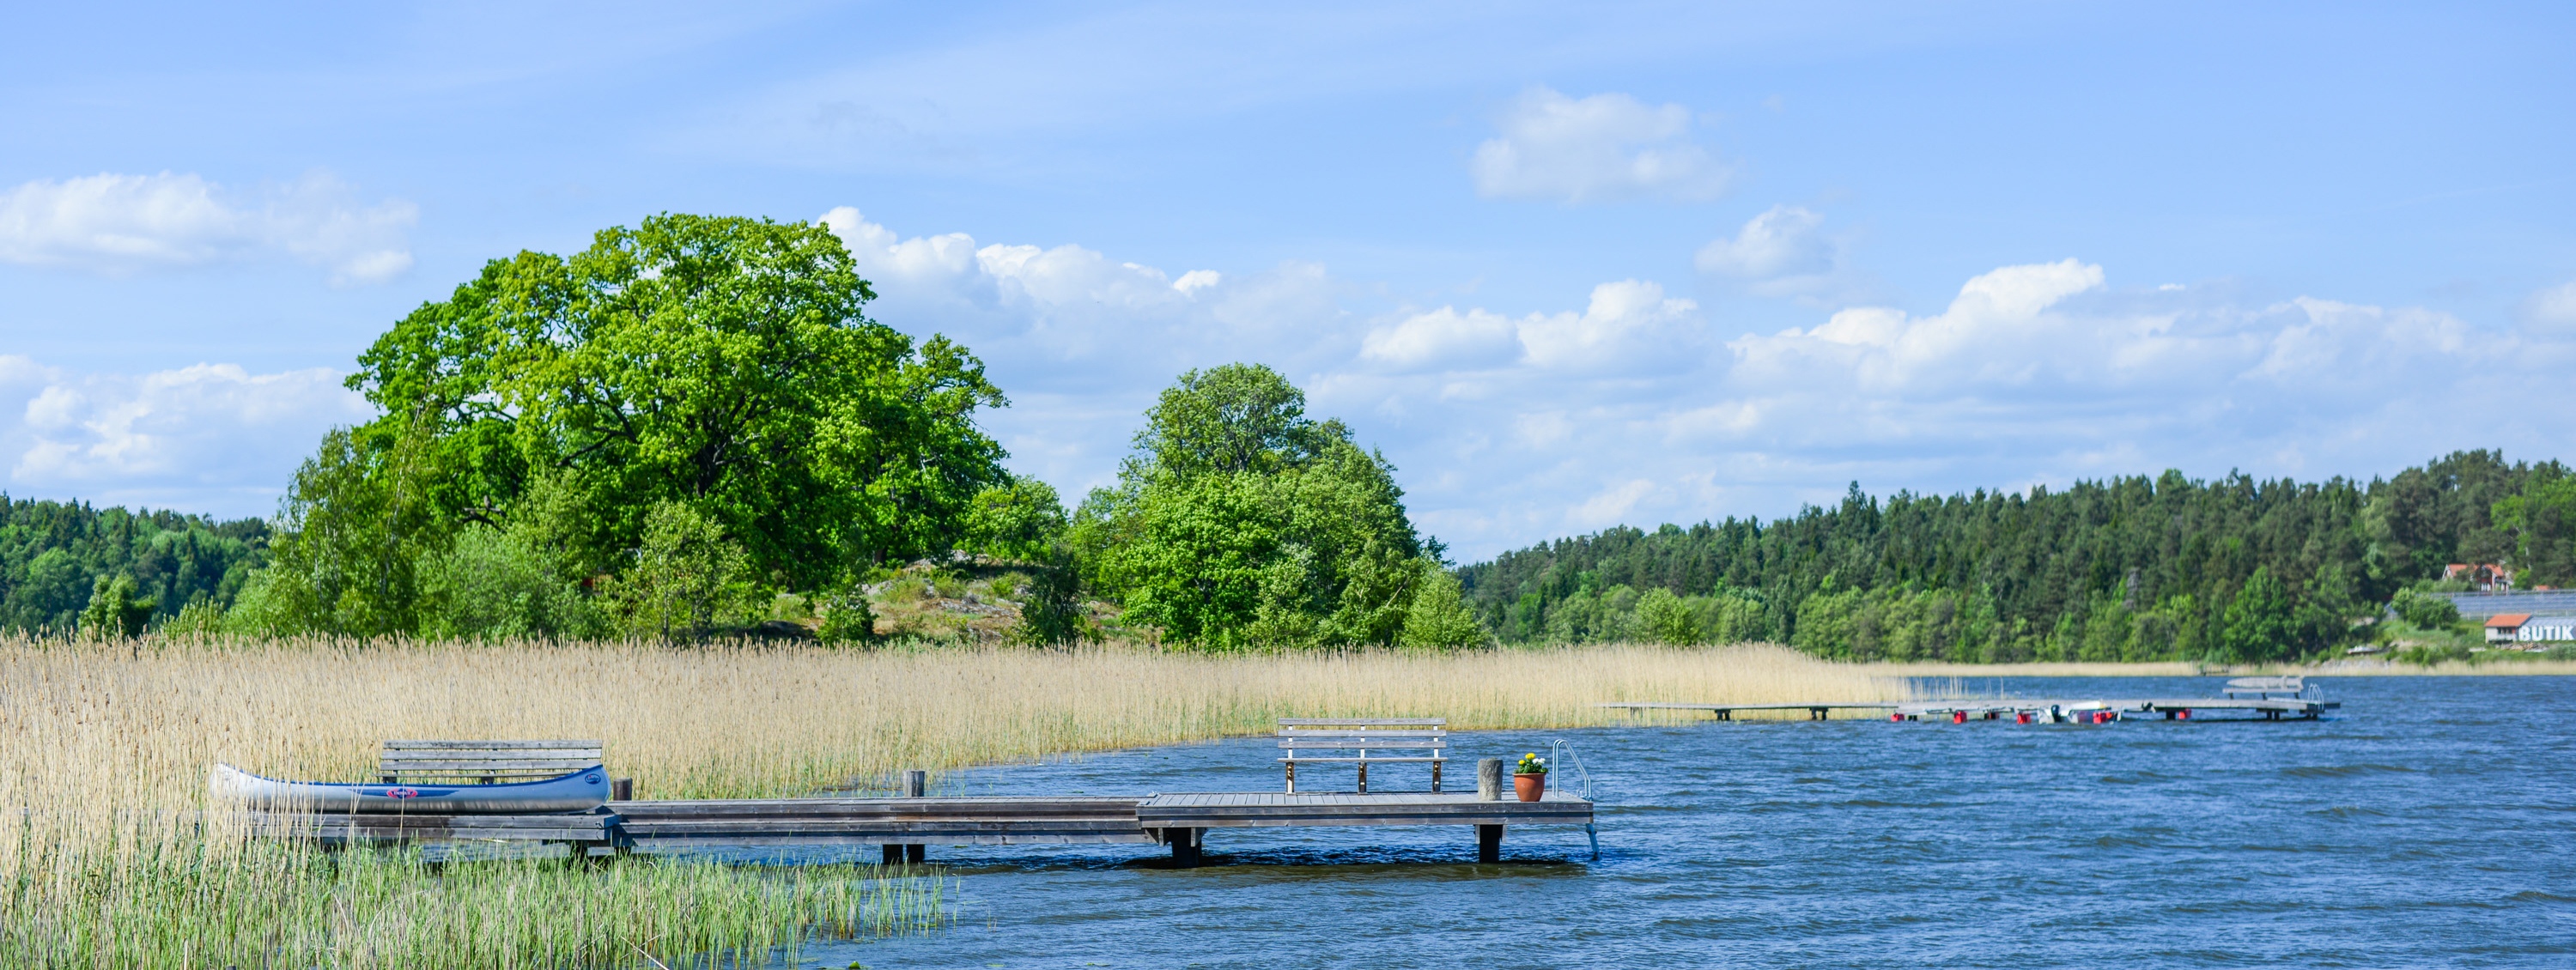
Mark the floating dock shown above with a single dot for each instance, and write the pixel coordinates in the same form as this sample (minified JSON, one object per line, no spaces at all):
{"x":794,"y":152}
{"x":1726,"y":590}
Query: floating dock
{"x":905,"y":827}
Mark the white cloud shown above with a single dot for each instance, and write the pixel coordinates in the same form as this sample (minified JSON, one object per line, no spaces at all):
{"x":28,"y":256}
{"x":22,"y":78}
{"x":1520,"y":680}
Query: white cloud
{"x":2552,"y":309}
{"x":1604,"y":148}
{"x":1511,"y":428}
{"x":1784,"y":241}
{"x":123,"y":224}
{"x":208,"y":438}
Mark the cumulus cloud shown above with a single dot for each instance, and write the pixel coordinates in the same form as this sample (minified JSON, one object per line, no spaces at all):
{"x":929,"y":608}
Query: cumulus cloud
{"x":1784,"y":241}
{"x":1604,"y":148}
{"x":123,"y":224}
{"x":209,"y":438}
{"x":1626,"y":405}
{"x":2552,"y":309}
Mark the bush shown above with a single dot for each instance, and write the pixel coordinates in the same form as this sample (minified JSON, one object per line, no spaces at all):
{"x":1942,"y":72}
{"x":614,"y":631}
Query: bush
{"x":1438,"y":616}
{"x":1051,"y":606}
{"x":494,"y":585}
{"x":114,"y":613}
{"x":687,"y":578}
{"x":847,"y":619}
{"x":2424,"y":612}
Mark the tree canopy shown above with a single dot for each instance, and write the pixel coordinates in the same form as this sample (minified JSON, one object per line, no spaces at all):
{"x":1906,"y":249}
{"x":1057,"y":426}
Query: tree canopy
{"x":1240,"y":521}
{"x":720,"y":365}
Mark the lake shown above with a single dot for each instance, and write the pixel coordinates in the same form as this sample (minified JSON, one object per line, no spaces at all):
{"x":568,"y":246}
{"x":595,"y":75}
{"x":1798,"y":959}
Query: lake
{"x":2431,"y":823}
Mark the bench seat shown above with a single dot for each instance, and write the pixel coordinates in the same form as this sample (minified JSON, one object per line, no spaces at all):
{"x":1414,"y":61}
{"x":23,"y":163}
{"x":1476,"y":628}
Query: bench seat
{"x":1339,"y":738}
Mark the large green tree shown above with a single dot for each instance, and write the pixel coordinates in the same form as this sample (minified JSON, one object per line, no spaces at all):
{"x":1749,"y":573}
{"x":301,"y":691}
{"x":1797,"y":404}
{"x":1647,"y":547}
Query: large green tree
{"x":1240,"y":521}
{"x":723,"y":364}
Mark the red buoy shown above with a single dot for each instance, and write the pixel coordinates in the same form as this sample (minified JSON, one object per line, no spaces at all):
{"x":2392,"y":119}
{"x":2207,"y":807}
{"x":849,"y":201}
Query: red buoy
{"x":2184,"y":714}
{"x":1898,"y":716}
{"x":2021,"y":717}
{"x":1958,"y":717}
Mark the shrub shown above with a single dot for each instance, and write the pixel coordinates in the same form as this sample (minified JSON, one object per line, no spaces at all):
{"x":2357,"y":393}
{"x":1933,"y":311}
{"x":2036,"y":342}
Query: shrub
{"x":1438,"y":616}
{"x":847,"y":619}
{"x":493,"y":585}
{"x":114,"y":613}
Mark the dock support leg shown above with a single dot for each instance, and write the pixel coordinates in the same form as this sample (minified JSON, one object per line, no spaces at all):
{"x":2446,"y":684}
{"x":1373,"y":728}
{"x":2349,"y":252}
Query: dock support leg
{"x":1185,"y":846}
{"x":1489,"y":843}
{"x":1435,"y":775}
{"x":1364,"y":774}
{"x":893,"y":853}
{"x":916,"y":853}
{"x":1815,"y":714}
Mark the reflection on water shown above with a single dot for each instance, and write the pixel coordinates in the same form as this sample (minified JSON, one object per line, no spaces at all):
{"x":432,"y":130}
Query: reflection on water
{"x":2432,"y":823}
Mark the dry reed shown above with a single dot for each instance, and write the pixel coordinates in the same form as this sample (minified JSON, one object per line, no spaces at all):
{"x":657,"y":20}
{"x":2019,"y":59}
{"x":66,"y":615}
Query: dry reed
{"x":107,"y":748}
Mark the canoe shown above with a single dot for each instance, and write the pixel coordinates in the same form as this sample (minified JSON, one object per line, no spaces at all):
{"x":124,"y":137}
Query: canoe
{"x":578,"y":791}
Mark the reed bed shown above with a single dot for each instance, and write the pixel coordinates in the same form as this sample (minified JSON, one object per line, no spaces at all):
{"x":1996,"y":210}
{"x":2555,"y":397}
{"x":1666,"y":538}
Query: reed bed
{"x":104,"y":752}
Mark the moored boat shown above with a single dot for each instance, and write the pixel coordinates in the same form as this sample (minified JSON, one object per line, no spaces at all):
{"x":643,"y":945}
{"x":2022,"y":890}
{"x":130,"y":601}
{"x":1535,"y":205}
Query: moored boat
{"x":576,"y":791}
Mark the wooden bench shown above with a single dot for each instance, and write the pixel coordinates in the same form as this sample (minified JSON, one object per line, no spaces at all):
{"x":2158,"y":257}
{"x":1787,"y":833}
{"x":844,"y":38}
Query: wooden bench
{"x":1351,"y":739}
{"x":485,"y":762}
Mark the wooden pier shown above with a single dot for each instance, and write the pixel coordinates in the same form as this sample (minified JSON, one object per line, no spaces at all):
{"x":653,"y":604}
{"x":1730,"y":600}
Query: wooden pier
{"x":905,"y":827}
{"x":2168,"y":708}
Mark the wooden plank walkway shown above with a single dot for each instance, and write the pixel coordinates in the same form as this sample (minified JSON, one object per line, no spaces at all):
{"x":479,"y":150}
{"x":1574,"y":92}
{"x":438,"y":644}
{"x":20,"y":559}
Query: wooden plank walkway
{"x":905,"y":826}
{"x":1263,"y":809}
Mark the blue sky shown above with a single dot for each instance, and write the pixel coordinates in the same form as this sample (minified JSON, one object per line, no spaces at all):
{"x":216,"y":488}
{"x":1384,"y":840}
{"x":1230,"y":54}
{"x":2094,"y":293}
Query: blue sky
{"x":1568,"y":266}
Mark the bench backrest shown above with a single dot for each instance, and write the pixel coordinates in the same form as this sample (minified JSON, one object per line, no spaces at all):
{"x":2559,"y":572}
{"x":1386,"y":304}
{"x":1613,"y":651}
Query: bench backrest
{"x":1357,"y":733}
{"x":486,"y":762}
{"x":2266,"y":685}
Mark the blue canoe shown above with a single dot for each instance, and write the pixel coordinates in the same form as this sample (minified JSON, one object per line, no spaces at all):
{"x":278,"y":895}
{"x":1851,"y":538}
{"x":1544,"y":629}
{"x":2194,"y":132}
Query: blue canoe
{"x":578,"y":791}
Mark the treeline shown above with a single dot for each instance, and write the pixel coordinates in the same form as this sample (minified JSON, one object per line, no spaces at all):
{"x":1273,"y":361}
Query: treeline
{"x":2124,"y":570}
{"x":54,"y":554}
{"x":677,"y":430}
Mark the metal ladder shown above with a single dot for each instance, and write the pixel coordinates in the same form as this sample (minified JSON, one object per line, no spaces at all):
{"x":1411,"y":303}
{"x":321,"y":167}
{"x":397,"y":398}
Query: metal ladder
{"x":1560,"y":754}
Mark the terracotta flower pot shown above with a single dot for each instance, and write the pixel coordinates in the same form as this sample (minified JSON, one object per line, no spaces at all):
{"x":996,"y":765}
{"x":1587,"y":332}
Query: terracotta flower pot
{"x":1529,"y":787}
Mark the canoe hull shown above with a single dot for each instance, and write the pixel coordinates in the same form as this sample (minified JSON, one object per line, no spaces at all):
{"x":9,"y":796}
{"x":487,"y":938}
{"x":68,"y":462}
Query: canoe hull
{"x":578,"y":791}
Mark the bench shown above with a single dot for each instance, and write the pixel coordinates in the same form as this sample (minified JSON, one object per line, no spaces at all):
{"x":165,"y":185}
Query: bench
{"x":485,"y":762}
{"x":1351,"y":739}
{"x":2266,"y":686}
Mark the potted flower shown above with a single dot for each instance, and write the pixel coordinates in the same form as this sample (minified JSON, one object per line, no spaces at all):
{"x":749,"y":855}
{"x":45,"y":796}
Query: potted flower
{"x":1529,"y":778}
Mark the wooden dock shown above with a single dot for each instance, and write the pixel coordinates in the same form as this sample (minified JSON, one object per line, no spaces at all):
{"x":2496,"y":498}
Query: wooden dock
{"x":2169,"y":708}
{"x":906,"y":826}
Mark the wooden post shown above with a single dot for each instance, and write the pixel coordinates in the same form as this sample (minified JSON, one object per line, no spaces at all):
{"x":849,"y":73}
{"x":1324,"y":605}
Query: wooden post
{"x":893,"y":853}
{"x":1489,"y":780}
{"x":621,"y":789}
{"x":916,"y":784}
{"x":1489,"y":843}
{"x":1185,"y":846}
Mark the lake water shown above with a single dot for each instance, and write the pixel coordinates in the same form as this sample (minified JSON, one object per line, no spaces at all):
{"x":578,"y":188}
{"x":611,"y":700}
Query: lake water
{"x":2431,"y":823}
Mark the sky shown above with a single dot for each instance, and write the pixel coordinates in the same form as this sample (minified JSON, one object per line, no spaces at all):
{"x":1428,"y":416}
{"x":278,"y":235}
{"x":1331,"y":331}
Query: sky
{"x":1568,"y":267}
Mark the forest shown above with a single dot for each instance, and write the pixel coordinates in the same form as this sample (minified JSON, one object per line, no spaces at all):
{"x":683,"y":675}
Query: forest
{"x":2128,"y":569}
{"x":692,"y":429}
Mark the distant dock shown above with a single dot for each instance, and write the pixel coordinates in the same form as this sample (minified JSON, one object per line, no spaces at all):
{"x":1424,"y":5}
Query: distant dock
{"x":2266,"y":698}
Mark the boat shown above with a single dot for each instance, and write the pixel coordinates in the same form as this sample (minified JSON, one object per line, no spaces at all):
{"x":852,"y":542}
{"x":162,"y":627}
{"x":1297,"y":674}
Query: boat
{"x":576,"y":791}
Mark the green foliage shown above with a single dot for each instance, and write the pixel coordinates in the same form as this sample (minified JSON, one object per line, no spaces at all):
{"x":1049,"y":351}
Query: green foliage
{"x":688,"y":576}
{"x":1530,"y":764}
{"x":723,"y":364}
{"x":113,"y":612}
{"x":1663,"y":618}
{"x":1438,"y":616}
{"x":1239,"y":522}
{"x":2127,"y":569}
{"x":2542,"y":521}
{"x":52,"y":555}
{"x":203,"y":617}
{"x":2426,"y":612}
{"x":1051,"y":604}
{"x":492,"y":584}
{"x":847,"y":619}
{"x":1015,"y":520}
{"x":2258,"y":621}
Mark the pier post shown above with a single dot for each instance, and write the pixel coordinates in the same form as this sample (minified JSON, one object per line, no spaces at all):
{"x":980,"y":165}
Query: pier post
{"x":621,"y":789}
{"x":1185,"y":846}
{"x":1489,"y":780}
{"x":1489,"y":843}
{"x":916,"y":784}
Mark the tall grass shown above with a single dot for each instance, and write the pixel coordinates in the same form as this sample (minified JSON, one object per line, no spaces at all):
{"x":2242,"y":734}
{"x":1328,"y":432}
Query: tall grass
{"x":104,"y":752}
